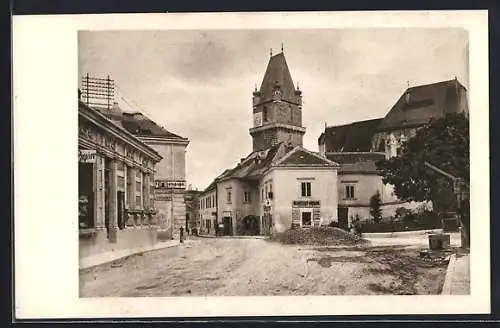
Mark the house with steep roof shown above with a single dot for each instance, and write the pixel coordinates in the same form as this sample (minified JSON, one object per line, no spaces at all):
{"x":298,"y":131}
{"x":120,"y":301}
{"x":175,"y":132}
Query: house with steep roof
{"x":359,"y":145}
{"x":280,"y":184}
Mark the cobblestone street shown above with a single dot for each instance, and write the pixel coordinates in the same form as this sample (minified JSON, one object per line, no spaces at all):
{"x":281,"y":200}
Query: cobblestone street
{"x":241,"y":267}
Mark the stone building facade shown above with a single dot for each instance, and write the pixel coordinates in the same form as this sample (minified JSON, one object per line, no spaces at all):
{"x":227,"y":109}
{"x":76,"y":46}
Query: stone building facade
{"x":170,"y":181}
{"x":207,"y":214}
{"x":116,"y":183}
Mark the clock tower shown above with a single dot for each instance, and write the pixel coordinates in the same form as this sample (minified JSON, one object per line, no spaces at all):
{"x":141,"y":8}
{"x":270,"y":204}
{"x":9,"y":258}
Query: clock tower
{"x":277,"y":108}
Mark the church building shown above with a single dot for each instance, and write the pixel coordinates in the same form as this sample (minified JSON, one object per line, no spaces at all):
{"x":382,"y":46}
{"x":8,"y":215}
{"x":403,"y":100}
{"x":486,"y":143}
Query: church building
{"x":359,"y":145}
{"x":280,"y":184}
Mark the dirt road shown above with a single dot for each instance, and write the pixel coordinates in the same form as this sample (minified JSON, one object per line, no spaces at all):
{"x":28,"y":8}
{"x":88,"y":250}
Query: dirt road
{"x":240,"y":267}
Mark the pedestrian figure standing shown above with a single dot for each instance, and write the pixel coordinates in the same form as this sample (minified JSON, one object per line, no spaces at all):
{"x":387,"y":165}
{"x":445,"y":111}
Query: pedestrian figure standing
{"x":181,"y":239}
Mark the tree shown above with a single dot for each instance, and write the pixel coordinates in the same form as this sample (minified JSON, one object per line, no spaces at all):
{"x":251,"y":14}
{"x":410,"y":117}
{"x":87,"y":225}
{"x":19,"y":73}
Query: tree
{"x":444,"y":143}
{"x":375,"y":210}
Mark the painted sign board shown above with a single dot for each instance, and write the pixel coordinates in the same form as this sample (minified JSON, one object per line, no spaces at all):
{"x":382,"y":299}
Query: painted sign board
{"x":306,"y":203}
{"x":86,"y":156}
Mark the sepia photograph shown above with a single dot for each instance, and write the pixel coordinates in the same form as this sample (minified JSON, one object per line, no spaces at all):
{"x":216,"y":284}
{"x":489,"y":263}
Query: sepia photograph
{"x":251,"y":164}
{"x":273,"y":162}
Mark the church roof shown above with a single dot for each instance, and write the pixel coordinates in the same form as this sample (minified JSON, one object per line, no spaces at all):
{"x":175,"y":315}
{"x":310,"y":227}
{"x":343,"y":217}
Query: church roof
{"x":353,"y":137}
{"x":365,"y":167}
{"x":277,"y":73}
{"x":417,"y":105}
{"x":351,"y":158}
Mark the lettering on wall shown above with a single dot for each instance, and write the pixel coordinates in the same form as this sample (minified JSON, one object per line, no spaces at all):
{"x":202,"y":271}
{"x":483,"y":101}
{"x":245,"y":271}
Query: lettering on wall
{"x":87,"y":156}
{"x":170,"y":184}
{"x":306,"y":203}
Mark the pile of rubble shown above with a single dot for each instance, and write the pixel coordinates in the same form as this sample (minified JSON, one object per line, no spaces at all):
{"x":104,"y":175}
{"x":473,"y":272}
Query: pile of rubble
{"x":318,"y":236}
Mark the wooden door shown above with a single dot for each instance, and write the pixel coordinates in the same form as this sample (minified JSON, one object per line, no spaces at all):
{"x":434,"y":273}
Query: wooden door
{"x":343,"y":215}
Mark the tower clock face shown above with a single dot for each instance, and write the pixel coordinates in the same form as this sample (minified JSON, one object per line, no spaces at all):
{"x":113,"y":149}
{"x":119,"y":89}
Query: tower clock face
{"x":257,"y":119}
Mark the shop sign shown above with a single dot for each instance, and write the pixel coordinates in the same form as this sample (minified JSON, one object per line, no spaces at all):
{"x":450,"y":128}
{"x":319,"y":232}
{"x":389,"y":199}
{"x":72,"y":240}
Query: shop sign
{"x":169,"y":184}
{"x":86,"y":156}
{"x":305,"y":203}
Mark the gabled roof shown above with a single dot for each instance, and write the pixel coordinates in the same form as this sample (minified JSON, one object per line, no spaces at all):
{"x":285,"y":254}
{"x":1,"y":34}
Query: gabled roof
{"x":277,"y":73}
{"x":300,"y":156}
{"x":419,"y":104}
{"x":353,"y":137}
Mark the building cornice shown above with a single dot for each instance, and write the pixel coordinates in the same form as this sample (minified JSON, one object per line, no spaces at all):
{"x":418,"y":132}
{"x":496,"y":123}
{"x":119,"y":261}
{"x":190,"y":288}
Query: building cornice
{"x":113,"y":154}
{"x":268,"y":101}
{"x":288,"y":127}
{"x":359,"y":172}
{"x":163,"y":140}
{"x":102,"y":122}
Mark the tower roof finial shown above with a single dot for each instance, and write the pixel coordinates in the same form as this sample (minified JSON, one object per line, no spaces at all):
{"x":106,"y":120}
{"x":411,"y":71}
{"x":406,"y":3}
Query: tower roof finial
{"x":298,"y":87}
{"x":271,"y":52}
{"x":281,"y":46}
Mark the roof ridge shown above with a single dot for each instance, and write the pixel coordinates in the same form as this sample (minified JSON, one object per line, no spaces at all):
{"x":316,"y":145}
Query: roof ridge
{"x":354,"y":122}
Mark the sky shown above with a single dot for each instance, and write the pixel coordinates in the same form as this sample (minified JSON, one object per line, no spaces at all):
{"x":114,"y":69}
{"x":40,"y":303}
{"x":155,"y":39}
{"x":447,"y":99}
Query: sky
{"x":199,"y":83}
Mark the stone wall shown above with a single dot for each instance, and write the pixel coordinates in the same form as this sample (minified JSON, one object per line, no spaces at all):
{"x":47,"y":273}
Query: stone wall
{"x":268,"y":138}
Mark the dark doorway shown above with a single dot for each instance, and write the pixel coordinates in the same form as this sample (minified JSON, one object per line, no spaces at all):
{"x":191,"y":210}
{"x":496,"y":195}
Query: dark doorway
{"x":121,"y":209}
{"x":250,"y":225}
{"x":306,"y":219}
{"x":342,"y":213}
{"x":86,"y":195}
{"x":228,"y":226}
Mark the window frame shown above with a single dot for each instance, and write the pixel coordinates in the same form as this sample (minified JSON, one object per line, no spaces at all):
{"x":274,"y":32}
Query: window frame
{"x":349,"y":191}
{"x":305,"y":188}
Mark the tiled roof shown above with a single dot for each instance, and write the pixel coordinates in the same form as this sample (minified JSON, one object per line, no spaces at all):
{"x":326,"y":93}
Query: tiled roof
{"x":354,"y":137}
{"x":302,"y":157}
{"x":350,"y":158}
{"x":417,"y":105}
{"x":359,"y":167}
{"x":139,"y":124}
{"x":277,"y":73}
